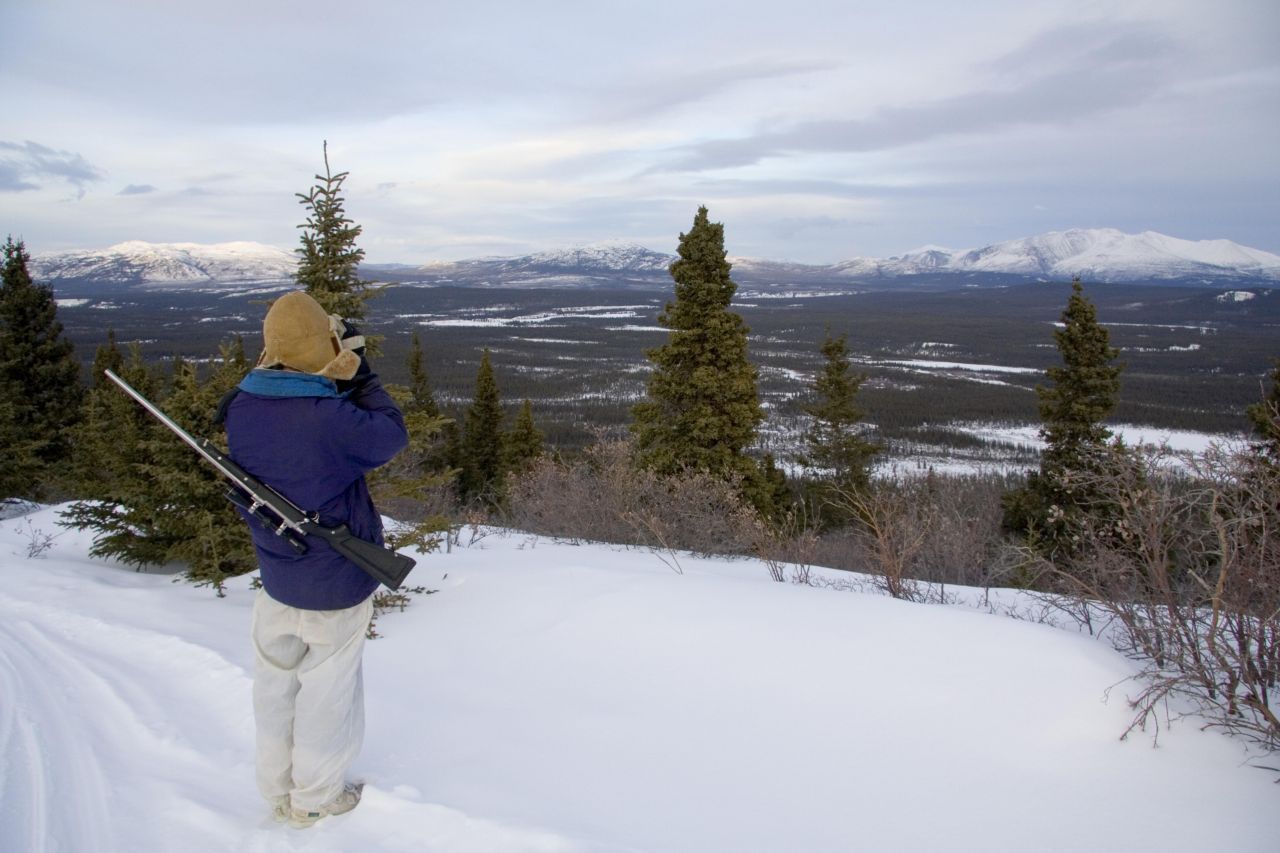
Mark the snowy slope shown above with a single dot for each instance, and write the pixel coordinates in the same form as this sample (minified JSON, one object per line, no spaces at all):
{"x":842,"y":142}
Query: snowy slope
{"x":612,"y":256}
{"x":1105,"y":254}
{"x":136,"y":261}
{"x":562,"y":699}
{"x":1095,"y":254}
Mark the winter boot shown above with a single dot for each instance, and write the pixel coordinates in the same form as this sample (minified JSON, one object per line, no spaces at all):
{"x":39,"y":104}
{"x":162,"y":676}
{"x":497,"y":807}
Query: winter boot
{"x":341,"y":804}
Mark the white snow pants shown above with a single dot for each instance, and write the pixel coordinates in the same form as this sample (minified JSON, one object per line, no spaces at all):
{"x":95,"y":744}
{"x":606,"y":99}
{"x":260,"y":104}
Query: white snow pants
{"x":308,"y":698}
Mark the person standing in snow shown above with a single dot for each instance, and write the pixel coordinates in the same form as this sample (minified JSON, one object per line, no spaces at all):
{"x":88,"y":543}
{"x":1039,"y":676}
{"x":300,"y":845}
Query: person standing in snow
{"x":310,"y":421}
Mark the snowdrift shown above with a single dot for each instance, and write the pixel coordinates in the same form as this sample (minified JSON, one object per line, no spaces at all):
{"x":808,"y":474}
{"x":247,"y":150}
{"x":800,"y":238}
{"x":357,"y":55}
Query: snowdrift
{"x":588,"y":699}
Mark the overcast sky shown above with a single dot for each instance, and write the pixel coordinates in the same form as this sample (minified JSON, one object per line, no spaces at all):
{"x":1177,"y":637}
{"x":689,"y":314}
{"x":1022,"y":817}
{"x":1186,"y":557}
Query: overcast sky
{"x":815,"y":131}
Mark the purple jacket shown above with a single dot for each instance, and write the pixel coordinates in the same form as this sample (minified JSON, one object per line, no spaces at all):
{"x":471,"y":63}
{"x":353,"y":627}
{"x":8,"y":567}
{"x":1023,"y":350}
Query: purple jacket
{"x":297,"y":434}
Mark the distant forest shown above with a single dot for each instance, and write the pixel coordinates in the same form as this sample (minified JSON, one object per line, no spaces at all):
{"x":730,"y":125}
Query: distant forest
{"x":1192,"y":359}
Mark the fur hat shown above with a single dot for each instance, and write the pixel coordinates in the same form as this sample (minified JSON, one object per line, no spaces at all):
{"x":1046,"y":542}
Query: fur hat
{"x":298,"y":334}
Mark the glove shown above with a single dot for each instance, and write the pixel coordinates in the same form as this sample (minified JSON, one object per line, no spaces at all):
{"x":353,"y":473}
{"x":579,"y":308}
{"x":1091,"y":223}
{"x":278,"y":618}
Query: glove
{"x":347,"y":334}
{"x":350,"y":338}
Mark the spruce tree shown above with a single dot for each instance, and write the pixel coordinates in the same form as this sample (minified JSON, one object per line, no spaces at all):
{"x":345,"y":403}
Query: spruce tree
{"x":481,"y":447}
{"x":523,"y":444}
{"x":441,"y":452}
{"x":1264,"y":417}
{"x":39,"y":379}
{"x":834,"y":442}
{"x":414,"y":482}
{"x":1072,"y":411}
{"x":329,"y":261}
{"x":114,"y":442}
{"x":150,"y":498}
{"x":205,"y":532}
{"x":90,"y":436}
{"x":702,"y":407}
{"x":20,"y":464}
{"x":420,"y":393}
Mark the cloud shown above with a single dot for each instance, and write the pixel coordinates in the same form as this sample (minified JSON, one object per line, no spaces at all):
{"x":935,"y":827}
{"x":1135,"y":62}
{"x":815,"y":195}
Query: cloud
{"x":659,"y":92}
{"x":137,"y":189}
{"x":23,"y":163}
{"x":11,"y":178}
{"x":1034,"y":85}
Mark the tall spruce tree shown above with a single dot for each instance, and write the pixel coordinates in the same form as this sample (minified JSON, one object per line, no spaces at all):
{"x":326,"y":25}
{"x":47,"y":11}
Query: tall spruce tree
{"x":482,"y":440}
{"x":1072,"y":411}
{"x":702,"y":408}
{"x":834,"y":443}
{"x":39,"y":380}
{"x":329,"y":260}
{"x":1264,"y":417}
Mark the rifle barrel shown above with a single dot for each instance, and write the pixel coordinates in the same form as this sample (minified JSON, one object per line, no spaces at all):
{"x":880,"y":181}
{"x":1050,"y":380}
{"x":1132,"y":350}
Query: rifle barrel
{"x":380,"y":562}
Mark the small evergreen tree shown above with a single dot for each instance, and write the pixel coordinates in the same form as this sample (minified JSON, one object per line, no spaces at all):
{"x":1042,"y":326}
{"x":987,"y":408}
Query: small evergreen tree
{"x":205,"y":531}
{"x":420,"y":394}
{"x":1264,"y":416}
{"x":482,"y":440}
{"x":20,"y":463}
{"x":115,"y":439}
{"x":702,"y":408}
{"x":39,"y":380}
{"x":523,"y":445}
{"x":433,"y":451}
{"x":94,"y":419}
{"x":1072,"y":411}
{"x":107,"y":357}
{"x":150,"y":498}
{"x":417,"y":478}
{"x":329,"y":261}
{"x":834,"y":442}
{"x":771,"y":490}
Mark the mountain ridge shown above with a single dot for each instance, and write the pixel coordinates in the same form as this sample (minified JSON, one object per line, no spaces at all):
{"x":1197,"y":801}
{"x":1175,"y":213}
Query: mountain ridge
{"x":1098,"y":254}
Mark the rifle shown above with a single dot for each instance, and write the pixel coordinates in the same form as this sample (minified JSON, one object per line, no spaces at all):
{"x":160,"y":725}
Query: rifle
{"x":280,"y":515}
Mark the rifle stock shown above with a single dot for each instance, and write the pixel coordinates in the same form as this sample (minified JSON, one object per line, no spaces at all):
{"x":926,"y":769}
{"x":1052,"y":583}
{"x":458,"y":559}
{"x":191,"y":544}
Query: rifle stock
{"x":277,"y":513}
{"x":387,"y":567}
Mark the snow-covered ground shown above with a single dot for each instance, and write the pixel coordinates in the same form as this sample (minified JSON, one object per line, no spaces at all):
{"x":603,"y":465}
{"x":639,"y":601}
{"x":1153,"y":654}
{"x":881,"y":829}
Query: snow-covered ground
{"x":1176,"y":440}
{"x":1015,"y":447}
{"x":553,"y":697}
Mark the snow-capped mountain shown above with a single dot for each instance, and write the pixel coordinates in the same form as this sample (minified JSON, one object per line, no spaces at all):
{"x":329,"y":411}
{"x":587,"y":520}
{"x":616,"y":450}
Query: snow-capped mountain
{"x":137,"y":262}
{"x":927,"y":260}
{"x":1094,"y":254}
{"x":625,"y":264}
{"x":615,"y":257}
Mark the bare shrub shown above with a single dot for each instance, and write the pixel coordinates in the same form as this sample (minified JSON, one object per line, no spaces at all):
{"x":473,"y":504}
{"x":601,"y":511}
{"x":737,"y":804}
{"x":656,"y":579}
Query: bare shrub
{"x":916,"y":535}
{"x":1186,"y":562}
{"x":889,"y":529}
{"x":788,"y":543}
{"x":602,"y":497}
{"x":964,"y":538}
{"x":38,"y":541}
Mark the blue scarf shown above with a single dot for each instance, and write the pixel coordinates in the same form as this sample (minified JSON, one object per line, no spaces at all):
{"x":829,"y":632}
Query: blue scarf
{"x":284,"y":383}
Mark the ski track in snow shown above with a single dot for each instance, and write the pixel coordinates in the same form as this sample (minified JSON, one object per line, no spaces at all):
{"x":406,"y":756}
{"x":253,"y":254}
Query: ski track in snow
{"x":88,"y":729}
{"x":61,"y":670}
